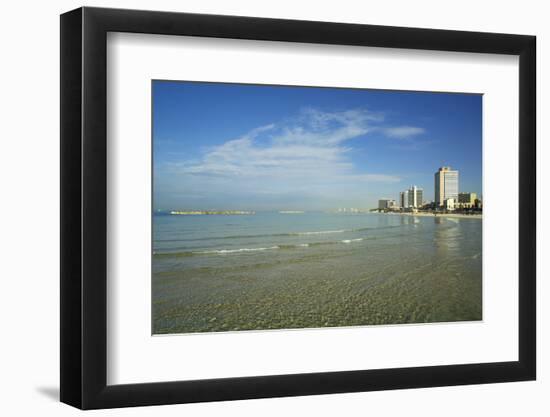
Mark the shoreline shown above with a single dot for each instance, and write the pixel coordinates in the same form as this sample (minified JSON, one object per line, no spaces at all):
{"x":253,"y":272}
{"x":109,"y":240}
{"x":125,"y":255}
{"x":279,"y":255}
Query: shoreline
{"x":448,"y":215}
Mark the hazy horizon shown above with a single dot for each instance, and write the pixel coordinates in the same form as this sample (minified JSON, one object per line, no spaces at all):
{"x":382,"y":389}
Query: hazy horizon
{"x":271,"y":148}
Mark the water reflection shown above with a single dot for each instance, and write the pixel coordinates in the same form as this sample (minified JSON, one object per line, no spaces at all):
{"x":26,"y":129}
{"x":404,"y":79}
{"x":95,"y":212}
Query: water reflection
{"x":447,"y":236}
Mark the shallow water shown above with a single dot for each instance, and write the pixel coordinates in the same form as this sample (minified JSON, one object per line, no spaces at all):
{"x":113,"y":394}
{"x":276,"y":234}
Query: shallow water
{"x":277,"y":271}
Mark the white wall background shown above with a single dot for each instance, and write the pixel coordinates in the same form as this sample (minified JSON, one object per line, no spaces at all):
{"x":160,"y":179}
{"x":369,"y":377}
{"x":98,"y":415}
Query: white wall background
{"x":29,"y":225}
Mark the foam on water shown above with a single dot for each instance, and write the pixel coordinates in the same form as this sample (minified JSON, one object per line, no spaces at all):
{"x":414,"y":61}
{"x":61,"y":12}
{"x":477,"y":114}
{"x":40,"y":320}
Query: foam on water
{"x":224,"y":251}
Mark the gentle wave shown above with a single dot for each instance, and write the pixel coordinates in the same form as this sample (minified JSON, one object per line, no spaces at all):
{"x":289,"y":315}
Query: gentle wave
{"x":245,"y":250}
{"x":224,"y":251}
{"x":290,"y":234}
{"x":352,"y":240}
{"x":321,"y":232}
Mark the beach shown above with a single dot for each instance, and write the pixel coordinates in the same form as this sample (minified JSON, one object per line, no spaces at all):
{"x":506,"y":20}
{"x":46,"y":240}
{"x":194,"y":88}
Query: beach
{"x":444,"y":215}
{"x":284,"y":271}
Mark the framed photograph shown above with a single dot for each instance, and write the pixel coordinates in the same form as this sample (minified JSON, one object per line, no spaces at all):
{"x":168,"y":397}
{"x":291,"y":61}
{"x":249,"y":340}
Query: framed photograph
{"x":256,"y":208}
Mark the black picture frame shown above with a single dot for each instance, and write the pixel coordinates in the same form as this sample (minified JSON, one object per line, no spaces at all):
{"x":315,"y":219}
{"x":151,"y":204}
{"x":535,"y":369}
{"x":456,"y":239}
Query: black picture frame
{"x":84,"y":207}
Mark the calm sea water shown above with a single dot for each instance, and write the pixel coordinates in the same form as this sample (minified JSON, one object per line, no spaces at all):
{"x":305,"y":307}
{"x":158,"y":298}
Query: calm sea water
{"x":277,"y":271}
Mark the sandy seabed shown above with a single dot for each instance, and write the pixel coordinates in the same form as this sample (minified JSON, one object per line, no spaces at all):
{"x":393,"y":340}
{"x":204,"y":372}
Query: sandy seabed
{"x":413,"y":270}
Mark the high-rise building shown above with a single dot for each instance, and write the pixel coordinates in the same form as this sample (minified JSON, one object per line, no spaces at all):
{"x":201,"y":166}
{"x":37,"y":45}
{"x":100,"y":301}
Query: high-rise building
{"x":415,"y":196}
{"x":386,"y":203}
{"x":411,"y":198}
{"x":404,"y":199}
{"x":419,"y":197}
{"x":446,"y":185}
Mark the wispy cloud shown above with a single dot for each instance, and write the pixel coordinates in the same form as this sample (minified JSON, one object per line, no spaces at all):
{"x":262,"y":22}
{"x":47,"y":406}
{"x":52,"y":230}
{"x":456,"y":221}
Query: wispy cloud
{"x":308,"y":156}
{"x":412,"y":145}
{"x":402,"y":132}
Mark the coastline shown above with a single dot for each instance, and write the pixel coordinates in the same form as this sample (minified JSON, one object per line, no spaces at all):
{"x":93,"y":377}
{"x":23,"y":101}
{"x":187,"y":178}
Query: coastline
{"x":447,"y":215}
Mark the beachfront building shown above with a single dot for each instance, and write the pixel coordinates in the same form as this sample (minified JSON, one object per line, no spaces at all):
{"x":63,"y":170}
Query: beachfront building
{"x":446,"y":185}
{"x":415,"y":196}
{"x":467,"y":200}
{"x":404,"y":199}
{"x":411,"y":198}
{"x":449,"y":204}
{"x":386,"y":204}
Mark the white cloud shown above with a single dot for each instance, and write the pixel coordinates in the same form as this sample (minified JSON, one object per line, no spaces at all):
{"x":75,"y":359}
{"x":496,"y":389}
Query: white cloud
{"x":306,"y":156}
{"x":311,"y":146}
{"x":402,"y":132}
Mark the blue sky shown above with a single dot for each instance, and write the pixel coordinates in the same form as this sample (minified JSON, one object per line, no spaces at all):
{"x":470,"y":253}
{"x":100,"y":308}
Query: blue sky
{"x":234,"y":146}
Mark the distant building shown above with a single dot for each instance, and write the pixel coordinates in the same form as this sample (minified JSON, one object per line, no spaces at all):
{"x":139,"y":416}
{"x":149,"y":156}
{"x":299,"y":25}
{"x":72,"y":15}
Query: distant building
{"x":415,"y":196}
{"x":450,"y":204}
{"x":411,"y":198}
{"x":386,"y":203}
{"x":349,"y":210}
{"x":404,"y":199}
{"x":467,"y":200}
{"x":446,"y":185}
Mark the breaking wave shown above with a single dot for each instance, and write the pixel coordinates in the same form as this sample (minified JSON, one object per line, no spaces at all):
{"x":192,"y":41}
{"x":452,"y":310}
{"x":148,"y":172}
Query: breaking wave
{"x":224,"y":251}
{"x":246,"y":250}
{"x":290,"y":234}
{"x":352,"y":240}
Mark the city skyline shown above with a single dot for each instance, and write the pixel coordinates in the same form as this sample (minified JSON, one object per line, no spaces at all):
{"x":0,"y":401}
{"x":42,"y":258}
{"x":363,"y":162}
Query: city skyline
{"x":250,"y":147}
{"x":447,"y":195}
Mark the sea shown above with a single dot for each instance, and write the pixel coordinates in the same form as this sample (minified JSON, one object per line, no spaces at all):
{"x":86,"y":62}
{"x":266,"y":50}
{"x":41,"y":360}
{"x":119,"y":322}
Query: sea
{"x":272,"y":270}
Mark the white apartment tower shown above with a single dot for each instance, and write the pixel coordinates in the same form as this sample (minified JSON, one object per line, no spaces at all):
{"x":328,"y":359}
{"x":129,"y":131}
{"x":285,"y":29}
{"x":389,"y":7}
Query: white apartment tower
{"x":413,"y":197}
{"x":404,"y":199}
{"x":446,"y":185}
